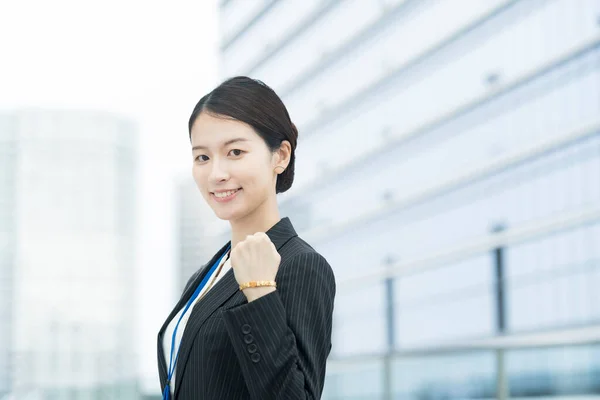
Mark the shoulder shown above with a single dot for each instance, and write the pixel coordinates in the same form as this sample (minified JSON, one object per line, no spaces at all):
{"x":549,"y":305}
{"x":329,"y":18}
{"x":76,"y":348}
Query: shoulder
{"x":191,"y":280}
{"x":299,"y":257}
{"x":196,"y":275}
{"x":297,"y":248}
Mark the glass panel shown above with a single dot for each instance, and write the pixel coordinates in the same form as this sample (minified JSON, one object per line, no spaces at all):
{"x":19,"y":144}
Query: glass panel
{"x":545,"y":373}
{"x":468,"y":375}
{"x":553,"y":282}
{"x":354,"y":381}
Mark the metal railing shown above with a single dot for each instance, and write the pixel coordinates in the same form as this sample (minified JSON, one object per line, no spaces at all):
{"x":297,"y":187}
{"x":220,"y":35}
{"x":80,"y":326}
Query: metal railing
{"x":499,"y":346}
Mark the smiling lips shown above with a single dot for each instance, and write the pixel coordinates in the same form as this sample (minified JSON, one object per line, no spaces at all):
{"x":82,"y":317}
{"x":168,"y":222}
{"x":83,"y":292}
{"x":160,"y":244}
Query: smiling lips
{"x":225,"y":196}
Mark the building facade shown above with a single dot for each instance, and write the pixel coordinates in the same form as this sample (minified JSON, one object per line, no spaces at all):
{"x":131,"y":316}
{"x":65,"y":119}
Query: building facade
{"x":67,"y":187}
{"x":8,"y":153}
{"x":448,"y":167}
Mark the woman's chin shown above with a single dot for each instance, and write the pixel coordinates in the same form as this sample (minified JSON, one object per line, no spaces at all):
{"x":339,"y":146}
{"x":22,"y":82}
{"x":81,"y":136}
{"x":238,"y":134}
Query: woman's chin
{"x":224,"y":218}
{"x":226,"y":215}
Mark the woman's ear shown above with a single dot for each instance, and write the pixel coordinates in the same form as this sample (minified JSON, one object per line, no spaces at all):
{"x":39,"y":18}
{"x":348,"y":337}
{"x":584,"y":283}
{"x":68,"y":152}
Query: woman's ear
{"x":283,"y":154}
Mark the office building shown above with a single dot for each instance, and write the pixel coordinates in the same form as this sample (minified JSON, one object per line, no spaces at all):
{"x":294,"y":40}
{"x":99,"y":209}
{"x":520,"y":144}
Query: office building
{"x":448,"y":167}
{"x":8,"y":151}
{"x":67,"y":187}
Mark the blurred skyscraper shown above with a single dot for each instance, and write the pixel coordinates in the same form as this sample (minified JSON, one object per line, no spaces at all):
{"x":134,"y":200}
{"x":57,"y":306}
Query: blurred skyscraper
{"x":67,"y":192}
{"x":448,"y":167}
{"x":8,"y":232}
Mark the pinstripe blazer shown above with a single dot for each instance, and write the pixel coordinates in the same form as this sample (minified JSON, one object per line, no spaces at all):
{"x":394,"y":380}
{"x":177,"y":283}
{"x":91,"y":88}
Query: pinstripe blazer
{"x":275,"y":347}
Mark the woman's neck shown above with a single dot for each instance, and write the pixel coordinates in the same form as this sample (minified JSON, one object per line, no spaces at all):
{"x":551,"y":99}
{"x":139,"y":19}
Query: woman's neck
{"x":256,"y":222}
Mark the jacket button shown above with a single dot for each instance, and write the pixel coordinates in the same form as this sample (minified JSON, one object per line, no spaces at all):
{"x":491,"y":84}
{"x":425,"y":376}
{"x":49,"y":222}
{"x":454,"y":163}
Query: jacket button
{"x":246,"y":329}
{"x":252,"y":348}
{"x":255,"y":357}
{"x":248,"y":339}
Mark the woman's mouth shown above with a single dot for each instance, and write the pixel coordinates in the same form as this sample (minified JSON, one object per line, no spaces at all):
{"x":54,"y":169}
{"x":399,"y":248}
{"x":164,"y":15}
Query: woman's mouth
{"x":223,"y":197}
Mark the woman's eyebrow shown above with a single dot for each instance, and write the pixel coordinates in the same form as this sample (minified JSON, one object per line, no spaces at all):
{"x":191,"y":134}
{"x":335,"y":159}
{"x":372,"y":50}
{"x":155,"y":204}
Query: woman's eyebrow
{"x":224,"y":144}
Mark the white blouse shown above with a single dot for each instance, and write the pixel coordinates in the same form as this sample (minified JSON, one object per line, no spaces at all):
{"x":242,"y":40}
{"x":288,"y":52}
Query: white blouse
{"x":168,"y":335}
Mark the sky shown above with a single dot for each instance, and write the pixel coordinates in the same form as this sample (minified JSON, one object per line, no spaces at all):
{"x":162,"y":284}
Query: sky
{"x":150,"y":61}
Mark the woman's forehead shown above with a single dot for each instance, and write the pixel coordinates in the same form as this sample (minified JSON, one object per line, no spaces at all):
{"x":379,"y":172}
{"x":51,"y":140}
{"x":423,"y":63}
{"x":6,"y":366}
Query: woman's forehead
{"x":213,"y":131}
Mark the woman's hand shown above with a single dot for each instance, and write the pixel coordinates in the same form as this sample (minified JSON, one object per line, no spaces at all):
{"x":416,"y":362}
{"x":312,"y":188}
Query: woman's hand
{"x":255,"y":259}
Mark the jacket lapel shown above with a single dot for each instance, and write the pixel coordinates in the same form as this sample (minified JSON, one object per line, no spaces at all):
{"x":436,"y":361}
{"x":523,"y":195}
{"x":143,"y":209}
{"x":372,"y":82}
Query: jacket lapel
{"x":211,"y":302}
{"x":280,"y":233}
{"x":187,"y":293}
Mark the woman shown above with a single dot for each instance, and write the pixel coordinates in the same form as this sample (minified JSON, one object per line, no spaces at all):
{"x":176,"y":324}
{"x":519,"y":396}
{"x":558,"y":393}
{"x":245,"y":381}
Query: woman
{"x":255,"y":322}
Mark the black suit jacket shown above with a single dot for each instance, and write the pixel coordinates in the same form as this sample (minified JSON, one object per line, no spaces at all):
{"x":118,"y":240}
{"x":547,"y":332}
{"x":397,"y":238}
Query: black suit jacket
{"x":275,"y":347}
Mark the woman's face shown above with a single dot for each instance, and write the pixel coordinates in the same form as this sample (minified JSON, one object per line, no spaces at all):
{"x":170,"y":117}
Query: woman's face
{"x":232,"y":166}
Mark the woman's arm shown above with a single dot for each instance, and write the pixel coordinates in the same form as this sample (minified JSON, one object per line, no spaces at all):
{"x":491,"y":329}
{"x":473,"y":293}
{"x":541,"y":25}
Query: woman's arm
{"x":283,"y":338}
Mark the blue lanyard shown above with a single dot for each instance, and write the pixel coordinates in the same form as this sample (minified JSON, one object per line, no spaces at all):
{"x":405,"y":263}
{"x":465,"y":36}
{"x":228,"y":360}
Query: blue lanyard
{"x":167,"y":391}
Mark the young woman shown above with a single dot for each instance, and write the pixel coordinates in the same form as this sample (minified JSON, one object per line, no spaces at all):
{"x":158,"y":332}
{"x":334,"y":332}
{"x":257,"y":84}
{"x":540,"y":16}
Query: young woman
{"x":255,"y":322}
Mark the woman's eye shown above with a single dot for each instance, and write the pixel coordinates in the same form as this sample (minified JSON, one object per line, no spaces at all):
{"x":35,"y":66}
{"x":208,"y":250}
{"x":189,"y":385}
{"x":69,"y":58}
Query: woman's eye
{"x":202,"y":157}
{"x":239,"y":152}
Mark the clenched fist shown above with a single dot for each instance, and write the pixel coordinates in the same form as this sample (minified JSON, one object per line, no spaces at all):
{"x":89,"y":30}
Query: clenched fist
{"x":255,"y":259}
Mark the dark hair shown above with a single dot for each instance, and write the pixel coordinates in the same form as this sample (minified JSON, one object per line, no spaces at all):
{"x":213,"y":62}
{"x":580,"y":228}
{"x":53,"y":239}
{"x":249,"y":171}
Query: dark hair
{"x":253,"y":102}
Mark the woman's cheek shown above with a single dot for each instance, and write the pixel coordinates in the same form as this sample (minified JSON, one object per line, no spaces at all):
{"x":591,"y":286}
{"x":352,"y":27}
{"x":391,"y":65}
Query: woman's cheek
{"x":200,"y":180}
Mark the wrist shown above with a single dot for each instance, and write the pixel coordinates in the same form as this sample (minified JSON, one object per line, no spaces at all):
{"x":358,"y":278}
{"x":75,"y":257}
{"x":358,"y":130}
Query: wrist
{"x":254,"y":293}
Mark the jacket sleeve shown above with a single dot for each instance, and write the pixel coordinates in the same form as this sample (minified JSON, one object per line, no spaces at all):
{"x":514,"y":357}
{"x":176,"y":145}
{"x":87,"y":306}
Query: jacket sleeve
{"x":282,"y":339}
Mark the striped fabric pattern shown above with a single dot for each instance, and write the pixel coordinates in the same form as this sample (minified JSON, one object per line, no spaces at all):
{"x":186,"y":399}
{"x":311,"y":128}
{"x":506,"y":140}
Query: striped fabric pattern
{"x":275,"y":347}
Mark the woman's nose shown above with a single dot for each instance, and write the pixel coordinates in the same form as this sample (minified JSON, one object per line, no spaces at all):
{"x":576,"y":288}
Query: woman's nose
{"x":218,"y":172}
